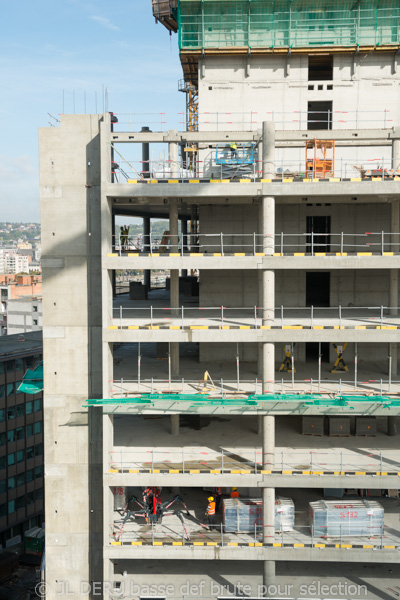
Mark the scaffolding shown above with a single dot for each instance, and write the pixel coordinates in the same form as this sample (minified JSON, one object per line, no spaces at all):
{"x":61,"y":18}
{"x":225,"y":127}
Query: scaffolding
{"x":320,"y":159}
{"x":287,"y":23}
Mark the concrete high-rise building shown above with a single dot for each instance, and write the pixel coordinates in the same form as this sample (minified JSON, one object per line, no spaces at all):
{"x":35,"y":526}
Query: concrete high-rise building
{"x":280,"y":317}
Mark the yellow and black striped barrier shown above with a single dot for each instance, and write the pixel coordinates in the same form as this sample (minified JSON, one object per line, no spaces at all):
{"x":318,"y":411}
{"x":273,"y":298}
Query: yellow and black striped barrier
{"x":252,"y":472}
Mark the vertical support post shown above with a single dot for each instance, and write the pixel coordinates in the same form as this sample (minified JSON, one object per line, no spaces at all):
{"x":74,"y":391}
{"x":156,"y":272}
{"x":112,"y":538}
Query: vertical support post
{"x":319,"y":366}
{"x":268,"y":349}
{"x":146,"y":248}
{"x":174,"y":281}
{"x":237,"y":366}
{"x":184,"y":228}
{"x":355,"y":365}
{"x":139,"y":360}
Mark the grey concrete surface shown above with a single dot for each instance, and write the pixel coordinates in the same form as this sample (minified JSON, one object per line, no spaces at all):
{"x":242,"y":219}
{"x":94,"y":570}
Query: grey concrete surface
{"x":294,"y":579}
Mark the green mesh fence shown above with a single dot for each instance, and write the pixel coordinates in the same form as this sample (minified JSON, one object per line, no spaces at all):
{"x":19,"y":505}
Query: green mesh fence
{"x":287,"y":23}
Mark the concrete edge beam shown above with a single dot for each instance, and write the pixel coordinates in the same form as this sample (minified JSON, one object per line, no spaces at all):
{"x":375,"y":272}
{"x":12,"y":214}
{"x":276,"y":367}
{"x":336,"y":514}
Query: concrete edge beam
{"x":275,"y":480}
{"x":356,"y":555}
{"x":371,"y":336}
{"x":251,"y":262}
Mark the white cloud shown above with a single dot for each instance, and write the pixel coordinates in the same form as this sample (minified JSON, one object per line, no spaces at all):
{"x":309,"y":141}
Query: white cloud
{"x":105,"y":22}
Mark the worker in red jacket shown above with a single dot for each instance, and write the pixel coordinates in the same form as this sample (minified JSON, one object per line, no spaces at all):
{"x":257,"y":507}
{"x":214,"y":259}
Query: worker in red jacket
{"x":234,"y":493}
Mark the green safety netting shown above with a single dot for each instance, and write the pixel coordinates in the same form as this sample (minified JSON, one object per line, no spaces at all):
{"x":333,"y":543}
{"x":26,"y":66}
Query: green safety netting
{"x":32,"y":382}
{"x":254,"y":400}
{"x":287,"y":23}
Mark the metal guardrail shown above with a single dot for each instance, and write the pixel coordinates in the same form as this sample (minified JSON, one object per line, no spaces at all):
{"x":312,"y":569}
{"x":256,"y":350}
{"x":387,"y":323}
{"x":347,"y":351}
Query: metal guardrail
{"x":250,"y":120}
{"x":284,"y":244}
{"x":228,"y":388}
{"x":210,"y":167}
{"x":354,"y":317}
{"x":215,"y":535}
{"x":250,"y":463}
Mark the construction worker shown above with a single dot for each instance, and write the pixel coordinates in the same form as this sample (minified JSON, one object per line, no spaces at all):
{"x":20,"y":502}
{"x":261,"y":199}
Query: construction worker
{"x":218,"y":498}
{"x":234,"y":493}
{"x":210,"y":514}
{"x":233,"y":148}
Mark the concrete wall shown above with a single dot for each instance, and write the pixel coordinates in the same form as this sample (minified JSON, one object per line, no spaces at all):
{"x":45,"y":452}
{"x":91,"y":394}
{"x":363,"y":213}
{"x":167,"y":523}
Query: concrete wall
{"x":246,"y":91}
{"x":70,"y":199}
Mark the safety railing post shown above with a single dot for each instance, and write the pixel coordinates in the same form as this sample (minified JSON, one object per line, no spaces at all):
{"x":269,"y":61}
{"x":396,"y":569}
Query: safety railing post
{"x":181,"y":244}
{"x":222,"y":461}
{"x":383,"y":243}
{"x":312,"y":243}
{"x":311,"y":460}
{"x":255,"y":317}
{"x":119,"y":245}
{"x":381,"y":316}
{"x":281,"y":243}
{"x":380,"y":458}
{"x":312,"y":316}
{"x":341,"y":462}
{"x":282,"y":460}
{"x":341,"y":244}
{"x":281,"y":317}
{"x":182,"y":313}
{"x":151,"y":317}
{"x":222,"y":315}
{"x":254,"y":244}
{"x":150,"y":245}
{"x":120,"y":317}
{"x":222,"y":243}
{"x":340,"y":316}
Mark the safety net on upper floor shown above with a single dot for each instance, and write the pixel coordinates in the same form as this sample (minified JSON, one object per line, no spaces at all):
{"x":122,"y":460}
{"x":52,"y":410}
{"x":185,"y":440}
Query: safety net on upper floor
{"x":287,"y":23}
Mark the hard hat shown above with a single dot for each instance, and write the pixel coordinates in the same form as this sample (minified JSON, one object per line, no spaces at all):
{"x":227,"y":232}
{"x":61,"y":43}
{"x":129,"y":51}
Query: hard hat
{"x":234,"y":489}
{"x":210,"y":499}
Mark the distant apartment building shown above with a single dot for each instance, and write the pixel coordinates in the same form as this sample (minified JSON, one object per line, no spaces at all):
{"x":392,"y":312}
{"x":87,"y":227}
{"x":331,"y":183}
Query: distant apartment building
{"x":21,"y":440}
{"x":13,"y":287}
{"x":15,"y":261}
{"x":24,"y":314}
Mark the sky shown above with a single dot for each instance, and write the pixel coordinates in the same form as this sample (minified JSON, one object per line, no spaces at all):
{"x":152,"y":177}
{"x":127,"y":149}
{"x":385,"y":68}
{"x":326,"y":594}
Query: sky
{"x":58,"y":56}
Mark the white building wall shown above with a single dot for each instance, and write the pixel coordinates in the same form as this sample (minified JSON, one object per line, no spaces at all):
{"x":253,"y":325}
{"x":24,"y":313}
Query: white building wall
{"x":239,"y":93}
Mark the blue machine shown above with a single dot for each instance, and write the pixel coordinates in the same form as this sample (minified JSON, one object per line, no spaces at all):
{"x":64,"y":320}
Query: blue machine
{"x":244,"y":154}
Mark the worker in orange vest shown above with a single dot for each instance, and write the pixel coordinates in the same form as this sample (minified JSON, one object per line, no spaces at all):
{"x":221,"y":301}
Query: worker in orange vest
{"x":234,"y":493}
{"x":211,"y":511}
{"x":218,"y":497}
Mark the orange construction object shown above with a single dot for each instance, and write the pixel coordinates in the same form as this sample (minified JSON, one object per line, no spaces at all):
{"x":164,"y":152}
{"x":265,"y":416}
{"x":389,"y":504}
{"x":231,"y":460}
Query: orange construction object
{"x":320,"y":159}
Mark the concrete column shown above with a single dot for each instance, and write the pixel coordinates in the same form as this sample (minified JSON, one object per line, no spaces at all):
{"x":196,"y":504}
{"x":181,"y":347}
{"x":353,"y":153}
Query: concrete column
{"x":175,"y":425}
{"x":396,"y":154}
{"x":394,"y":355}
{"x":268,"y":574}
{"x":184,"y":228}
{"x":173,"y":154}
{"x":394,"y":273}
{"x":268,"y":350}
{"x":174,"y":281}
{"x":146,"y":248}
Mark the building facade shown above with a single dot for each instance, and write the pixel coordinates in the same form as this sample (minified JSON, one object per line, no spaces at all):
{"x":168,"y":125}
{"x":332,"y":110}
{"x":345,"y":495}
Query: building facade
{"x":285,"y":212}
{"x":21,"y":440}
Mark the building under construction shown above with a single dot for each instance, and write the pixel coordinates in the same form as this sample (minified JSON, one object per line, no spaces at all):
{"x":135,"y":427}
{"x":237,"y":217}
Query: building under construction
{"x":269,"y":362}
